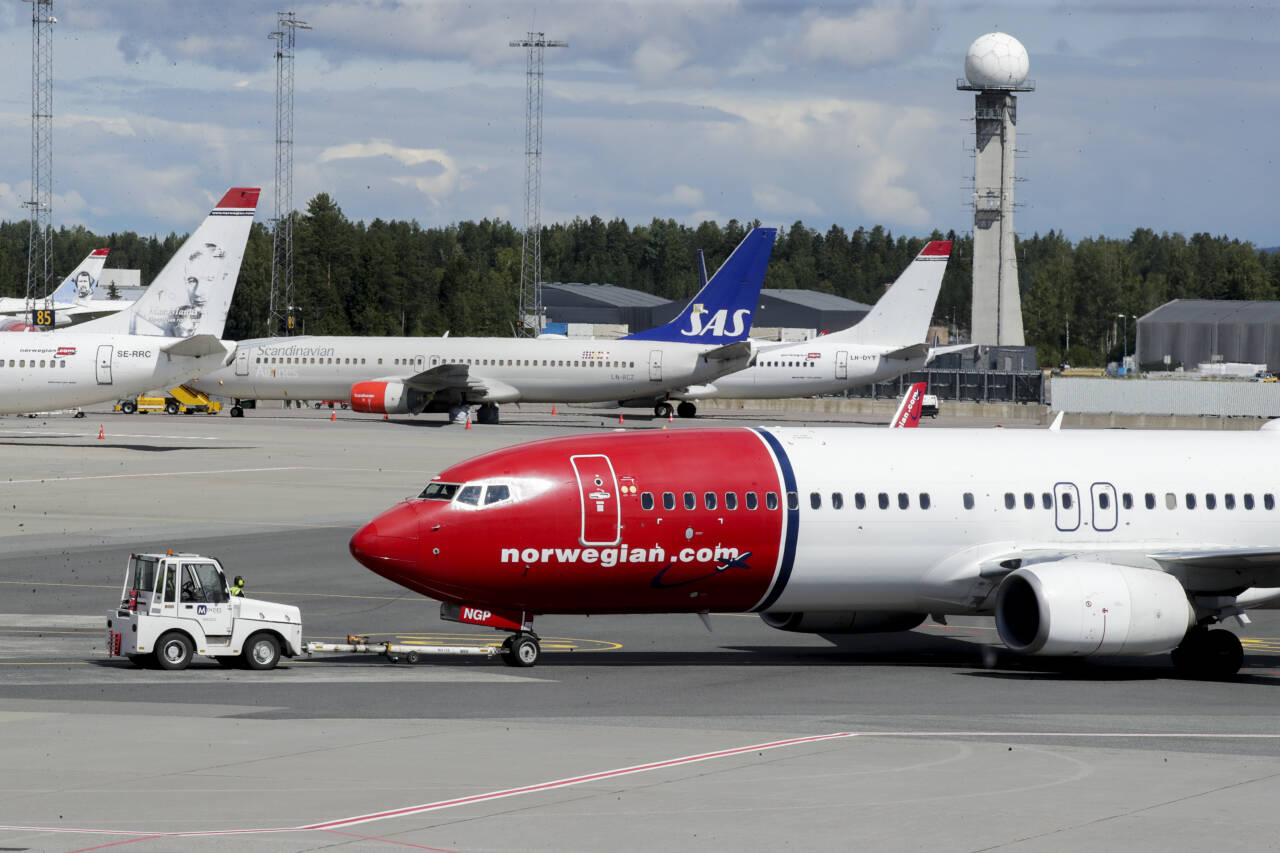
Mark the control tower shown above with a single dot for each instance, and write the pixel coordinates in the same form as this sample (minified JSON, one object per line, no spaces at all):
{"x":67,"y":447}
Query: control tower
{"x":995,"y":67}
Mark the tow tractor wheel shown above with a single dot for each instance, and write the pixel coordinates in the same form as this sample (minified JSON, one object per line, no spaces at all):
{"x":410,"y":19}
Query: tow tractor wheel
{"x":237,"y":412}
{"x":663,"y":410}
{"x":262,"y":652}
{"x":686,"y":409}
{"x":171,"y":408}
{"x":128,"y":407}
{"x":1206,"y":654}
{"x":174,"y":651}
{"x":521,"y":650}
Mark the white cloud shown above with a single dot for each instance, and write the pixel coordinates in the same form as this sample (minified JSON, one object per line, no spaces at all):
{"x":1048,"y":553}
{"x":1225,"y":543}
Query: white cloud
{"x":781,"y":202}
{"x":880,"y":33}
{"x":656,"y":58}
{"x":683,"y":195}
{"x":435,"y":186}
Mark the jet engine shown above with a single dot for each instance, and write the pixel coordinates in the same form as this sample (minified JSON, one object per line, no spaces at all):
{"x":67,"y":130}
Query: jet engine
{"x":843,"y":622}
{"x":1083,"y":608}
{"x":387,"y":398}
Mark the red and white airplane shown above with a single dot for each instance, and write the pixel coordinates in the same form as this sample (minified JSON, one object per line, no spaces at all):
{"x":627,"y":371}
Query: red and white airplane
{"x":1079,"y":543}
{"x":71,"y":298}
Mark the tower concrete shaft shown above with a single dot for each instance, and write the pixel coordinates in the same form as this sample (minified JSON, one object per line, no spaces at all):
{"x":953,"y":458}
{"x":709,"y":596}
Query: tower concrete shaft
{"x":997,"y":304}
{"x":40,"y":236}
{"x":530,"y":316}
{"x":280,"y":310}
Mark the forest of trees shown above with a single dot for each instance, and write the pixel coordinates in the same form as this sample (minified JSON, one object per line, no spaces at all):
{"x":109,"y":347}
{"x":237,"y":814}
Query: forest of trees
{"x":398,"y":278}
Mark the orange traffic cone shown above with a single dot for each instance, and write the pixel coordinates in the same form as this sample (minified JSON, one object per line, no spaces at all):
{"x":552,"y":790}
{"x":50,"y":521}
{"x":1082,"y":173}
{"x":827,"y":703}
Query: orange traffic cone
{"x":619,"y":417}
{"x":384,"y":416}
{"x":553,"y":408}
{"x":468,"y":421}
{"x":333,"y":416}
{"x":670,"y":419}
{"x":101,"y":435}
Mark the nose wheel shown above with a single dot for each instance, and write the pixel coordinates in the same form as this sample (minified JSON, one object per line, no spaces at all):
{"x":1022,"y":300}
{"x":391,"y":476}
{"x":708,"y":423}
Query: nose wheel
{"x":521,"y":650}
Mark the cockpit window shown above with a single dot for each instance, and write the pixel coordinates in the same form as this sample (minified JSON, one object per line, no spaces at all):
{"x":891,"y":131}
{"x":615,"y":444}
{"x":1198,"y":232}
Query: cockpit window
{"x":496,"y":493}
{"x":439,"y":492}
{"x":469,"y":495}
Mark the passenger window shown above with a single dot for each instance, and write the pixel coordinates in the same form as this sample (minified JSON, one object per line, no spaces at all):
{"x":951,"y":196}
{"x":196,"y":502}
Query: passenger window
{"x":730,"y":501}
{"x":1104,"y":500}
{"x":968,"y":500}
{"x":1268,"y":501}
{"x":1170,"y":500}
{"x":1028,"y":500}
{"x":469,"y":495}
{"x":1009,"y":500}
{"x":1046,"y":500}
{"x":883,"y":500}
{"x":837,"y":500}
{"x":1150,"y":500}
{"x":815,"y":500}
{"x":751,"y":500}
{"x":496,"y":493}
{"x":668,"y":500}
{"x":709,"y":500}
{"x":924,"y":500}
{"x":1229,"y":501}
{"x":1248,"y":500}
{"x":903,"y":501}
{"x":859,"y":500}
{"x":690,"y":500}
{"x":1067,"y":500}
{"x":1210,"y":501}
{"x":793,"y":500}
{"x":771,"y":500}
{"x":1191,"y":500}
{"x":1126,"y":500}
{"x":646,"y":500}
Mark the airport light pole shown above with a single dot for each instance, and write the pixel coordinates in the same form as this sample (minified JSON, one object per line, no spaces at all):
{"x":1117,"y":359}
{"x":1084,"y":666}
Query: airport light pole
{"x":1124,"y":347}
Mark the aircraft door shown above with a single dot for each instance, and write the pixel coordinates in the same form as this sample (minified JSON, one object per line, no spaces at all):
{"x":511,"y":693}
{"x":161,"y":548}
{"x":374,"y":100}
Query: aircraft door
{"x":104,"y":364}
{"x":655,"y":365}
{"x":1066,"y":503}
{"x":842,"y":365}
{"x":242,"y":362}
{"x":1106,"y":515}
{"x":598,"y":493}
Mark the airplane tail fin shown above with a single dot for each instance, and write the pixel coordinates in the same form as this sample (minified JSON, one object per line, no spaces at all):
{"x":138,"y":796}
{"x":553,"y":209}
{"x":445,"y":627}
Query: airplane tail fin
{"x":903,"y":313}
{"x":83,"y":281}
{"x":721,"y":312}
{"x":192,"y":294}
{"x":908,"y":414}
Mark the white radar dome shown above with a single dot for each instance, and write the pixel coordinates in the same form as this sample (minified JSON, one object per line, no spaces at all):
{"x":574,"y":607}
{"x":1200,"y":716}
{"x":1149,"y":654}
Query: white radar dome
{"x":996,"y":61}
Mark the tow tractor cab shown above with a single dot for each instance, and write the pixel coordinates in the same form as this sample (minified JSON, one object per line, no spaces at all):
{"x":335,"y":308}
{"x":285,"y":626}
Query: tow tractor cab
{"x":174,"y":606}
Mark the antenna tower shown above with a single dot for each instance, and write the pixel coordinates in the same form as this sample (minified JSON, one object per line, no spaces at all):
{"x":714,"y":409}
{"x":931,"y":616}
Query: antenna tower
{"x":40,"y":239}
{"x":530,"y":307}
{"x":281,"y":307}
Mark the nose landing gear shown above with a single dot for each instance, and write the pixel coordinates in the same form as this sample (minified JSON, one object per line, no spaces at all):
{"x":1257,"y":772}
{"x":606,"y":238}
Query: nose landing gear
{"x":521,"y":649}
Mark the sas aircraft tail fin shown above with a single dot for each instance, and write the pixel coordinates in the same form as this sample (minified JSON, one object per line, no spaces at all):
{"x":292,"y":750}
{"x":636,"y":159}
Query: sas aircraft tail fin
{"x":721,"y":312}
{"x":903,"y":313}
{"x":192,"y":294}
{"x":83,"y":281}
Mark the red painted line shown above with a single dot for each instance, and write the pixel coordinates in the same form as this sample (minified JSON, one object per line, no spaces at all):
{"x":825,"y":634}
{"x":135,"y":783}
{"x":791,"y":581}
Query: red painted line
{"x":115,"y":844}
{"x":388,"y":841}
{"x":573,"y":780}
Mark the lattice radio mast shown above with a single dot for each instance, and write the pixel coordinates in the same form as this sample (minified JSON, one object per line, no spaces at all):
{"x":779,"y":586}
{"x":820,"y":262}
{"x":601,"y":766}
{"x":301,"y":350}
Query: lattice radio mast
{"x":281,"y":307}
{"x":40,"y":240}
{"x":530,"y":307}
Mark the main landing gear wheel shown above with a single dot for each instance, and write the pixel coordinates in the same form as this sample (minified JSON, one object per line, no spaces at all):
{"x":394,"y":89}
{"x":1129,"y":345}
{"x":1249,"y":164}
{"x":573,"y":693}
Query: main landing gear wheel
{"x":663,"y":410}
{"x":1206,"y":654}
{"x":521,"y":650}
{"x":686,"y":410}
{"x":237,"y":412}
{"x":487,"y":414}
{"x":174,"y":651}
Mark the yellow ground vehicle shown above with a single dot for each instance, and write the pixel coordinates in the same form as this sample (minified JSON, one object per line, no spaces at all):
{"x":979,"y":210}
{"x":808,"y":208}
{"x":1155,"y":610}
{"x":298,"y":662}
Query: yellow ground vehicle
{"x":183,"y":399}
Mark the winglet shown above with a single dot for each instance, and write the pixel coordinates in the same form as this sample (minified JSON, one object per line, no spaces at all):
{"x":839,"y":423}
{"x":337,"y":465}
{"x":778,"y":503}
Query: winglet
{"x":908,"y":414}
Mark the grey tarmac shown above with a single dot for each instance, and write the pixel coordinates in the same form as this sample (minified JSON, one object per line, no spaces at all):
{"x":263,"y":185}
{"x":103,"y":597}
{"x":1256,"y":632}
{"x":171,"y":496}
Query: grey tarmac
{"x":631,"y":734}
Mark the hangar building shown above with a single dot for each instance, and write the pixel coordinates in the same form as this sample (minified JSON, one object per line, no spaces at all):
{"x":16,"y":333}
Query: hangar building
{"x":1187,"y":332}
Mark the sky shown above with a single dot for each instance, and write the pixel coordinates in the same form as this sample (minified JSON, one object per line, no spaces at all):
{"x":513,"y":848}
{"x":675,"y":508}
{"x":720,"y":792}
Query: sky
{"x":1161,"y":115}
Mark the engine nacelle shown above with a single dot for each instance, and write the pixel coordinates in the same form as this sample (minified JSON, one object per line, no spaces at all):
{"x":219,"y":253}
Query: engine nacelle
{"x":387,"y":398}
{"x":843,"y":622}
{"x":1083,"y":608}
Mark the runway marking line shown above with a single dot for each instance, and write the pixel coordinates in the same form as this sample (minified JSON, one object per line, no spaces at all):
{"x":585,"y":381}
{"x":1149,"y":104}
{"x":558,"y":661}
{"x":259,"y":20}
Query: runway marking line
{"x":539,"y":787}
{"x":204,"y":473}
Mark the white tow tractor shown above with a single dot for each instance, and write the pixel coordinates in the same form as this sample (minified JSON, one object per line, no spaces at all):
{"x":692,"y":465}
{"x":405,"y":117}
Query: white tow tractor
{"x":175,"y":606}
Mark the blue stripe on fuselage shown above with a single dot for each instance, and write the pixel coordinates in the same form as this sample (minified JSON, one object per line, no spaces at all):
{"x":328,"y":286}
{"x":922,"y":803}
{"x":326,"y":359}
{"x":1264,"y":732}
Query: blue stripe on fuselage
{"x":793,"y":522}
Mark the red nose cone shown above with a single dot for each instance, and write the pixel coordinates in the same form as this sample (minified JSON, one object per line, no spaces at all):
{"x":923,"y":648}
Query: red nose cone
{"x":389,"y":543}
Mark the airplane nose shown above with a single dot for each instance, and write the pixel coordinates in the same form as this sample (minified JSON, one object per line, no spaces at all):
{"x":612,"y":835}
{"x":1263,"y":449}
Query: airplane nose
{"x":388,"y":542}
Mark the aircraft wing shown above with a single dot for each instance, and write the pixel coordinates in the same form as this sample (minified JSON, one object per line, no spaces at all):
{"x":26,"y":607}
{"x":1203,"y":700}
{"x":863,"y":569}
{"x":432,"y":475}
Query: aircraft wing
{"x":934,"y":352}
{"x":1217,"y":568}
{"x":198,"y":345}
{"x":444,"y":377}
{"x":729,"y":352}
{"x":911,"y":353}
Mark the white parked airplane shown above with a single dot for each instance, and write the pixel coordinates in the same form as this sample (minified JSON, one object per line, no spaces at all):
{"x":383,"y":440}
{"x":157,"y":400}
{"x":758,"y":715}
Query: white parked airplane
{"x":884,"y":344}
{"x":414,"y":375}
{"x":173,"y":331}
{"x":70,"y":298}
{"x":1079,"y":543}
